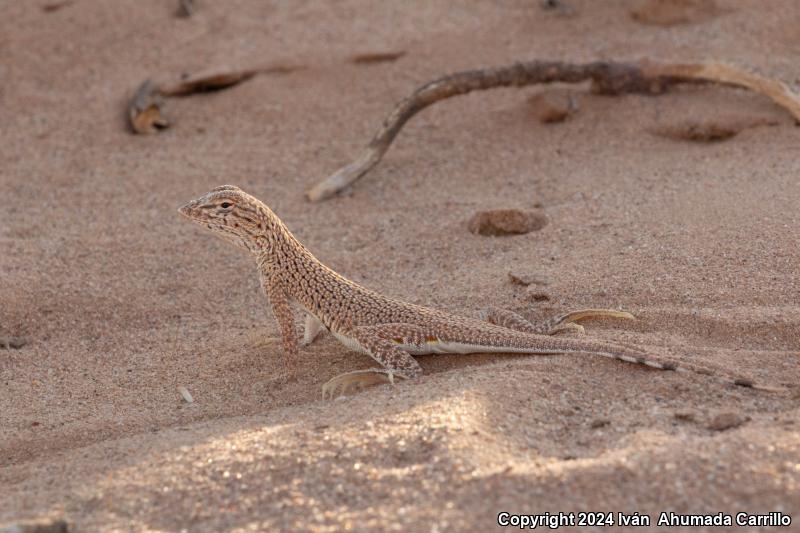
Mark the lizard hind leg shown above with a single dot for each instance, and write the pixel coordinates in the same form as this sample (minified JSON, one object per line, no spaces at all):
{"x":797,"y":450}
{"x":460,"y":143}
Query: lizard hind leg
{"x":558,"y":324}
{"x":569,"y":321}
{"x":381,"y":342}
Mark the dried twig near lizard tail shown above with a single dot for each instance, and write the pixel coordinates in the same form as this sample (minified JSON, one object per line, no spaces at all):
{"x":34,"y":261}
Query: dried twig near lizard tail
{"x":389,"y":330}
{"x":610,"y":78}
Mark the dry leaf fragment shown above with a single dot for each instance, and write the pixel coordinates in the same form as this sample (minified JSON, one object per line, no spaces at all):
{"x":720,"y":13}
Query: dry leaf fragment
{"x":377,"y":57}
{"x":186,"y":395}
{"x":144,"y":110}
{"x":206,"y":82}
{"x":55,"y":6}
{"x":674,"y":12}
{"x":37,"y":525}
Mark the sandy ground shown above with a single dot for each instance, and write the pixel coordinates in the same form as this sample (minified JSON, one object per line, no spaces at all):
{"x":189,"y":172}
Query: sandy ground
{"x":121,"y":301}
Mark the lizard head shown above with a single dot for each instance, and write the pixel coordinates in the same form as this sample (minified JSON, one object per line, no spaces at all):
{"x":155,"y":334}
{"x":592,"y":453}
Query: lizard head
{"x":234,"y":215}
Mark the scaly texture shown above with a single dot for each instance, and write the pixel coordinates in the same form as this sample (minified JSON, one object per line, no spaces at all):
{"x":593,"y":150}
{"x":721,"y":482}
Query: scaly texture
{"x":387,"y":329}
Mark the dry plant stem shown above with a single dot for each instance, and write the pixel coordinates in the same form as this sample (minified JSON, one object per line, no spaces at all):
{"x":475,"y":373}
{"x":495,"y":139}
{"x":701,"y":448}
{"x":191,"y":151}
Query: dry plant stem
{"x":206,"y":83}
{"x":607,"y":78}
{"x":144,"y":110}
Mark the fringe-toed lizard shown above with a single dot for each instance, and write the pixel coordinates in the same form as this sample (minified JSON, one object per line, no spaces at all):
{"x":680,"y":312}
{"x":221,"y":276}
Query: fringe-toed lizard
{"x":389,"y":330}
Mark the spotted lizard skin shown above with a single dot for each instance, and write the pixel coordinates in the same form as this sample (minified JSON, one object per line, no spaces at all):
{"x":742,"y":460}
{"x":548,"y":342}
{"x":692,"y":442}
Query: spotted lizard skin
{"x":388,"y":329}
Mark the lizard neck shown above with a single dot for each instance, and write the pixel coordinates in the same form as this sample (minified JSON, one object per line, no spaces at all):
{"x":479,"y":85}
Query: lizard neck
{"x":304,"y":279}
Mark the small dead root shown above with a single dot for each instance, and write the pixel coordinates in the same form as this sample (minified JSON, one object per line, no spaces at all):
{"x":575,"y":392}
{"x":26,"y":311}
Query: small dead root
{"x":710,"y":130}
{"x":607,"y":77}
{"x":675,"y":12}
{"x":377,"y":57}
{"x":55,"y":6}
{"x":343,"y":383}
{"x":144,"y":110}
{"x":37,"y":525}
{"x":207,"y":82}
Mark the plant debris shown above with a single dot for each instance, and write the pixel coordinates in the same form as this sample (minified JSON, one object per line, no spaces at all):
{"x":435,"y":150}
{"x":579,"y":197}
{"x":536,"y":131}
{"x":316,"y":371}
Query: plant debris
{"x":377,"y":57}
{"x":37,"y":525}
{"x":712,"y":130}
{"x":207,"y":82}
{"x":186,"y":394}
{"x":55,"y":6}
{"x":607,"y":77}
{"x":525,"y":279}
{"x":674,"y":12}
{"x":144,"y":110}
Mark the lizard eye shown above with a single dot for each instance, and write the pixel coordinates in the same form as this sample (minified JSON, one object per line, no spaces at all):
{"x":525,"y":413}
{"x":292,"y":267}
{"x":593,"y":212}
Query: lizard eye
{"x":225,"y":205}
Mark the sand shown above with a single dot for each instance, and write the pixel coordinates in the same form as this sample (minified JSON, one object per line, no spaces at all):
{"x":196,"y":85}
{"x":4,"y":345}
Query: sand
{"x":121,"y":301}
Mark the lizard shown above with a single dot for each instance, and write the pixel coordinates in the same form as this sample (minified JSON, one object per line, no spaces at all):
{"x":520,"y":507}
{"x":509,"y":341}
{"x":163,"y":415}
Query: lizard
{"x":389,"y":330}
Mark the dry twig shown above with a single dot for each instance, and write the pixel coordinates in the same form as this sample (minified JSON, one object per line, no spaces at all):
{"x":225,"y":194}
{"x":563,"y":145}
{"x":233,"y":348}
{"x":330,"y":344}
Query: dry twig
{"x":610,"y":78}
{"x":377,"y":57}
{"x":144,"y":110}
{"x":205,"y":82}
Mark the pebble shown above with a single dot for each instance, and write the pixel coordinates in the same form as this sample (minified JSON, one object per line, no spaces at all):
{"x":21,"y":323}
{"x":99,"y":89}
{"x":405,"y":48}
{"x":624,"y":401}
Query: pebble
{"x":726,"y":420}
{"x":500,"y":222}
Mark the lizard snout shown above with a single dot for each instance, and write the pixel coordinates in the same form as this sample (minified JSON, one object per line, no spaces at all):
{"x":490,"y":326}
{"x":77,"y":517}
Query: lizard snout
{"x":187,"y":209}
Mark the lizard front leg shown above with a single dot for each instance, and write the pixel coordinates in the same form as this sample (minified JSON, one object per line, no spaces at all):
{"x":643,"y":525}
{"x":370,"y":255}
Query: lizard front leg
{"x":381,"y":342}
{"x":558,"y":324}
{"x":285,"y":318}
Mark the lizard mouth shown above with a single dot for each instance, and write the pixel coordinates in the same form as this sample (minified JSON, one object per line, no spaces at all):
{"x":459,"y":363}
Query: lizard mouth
{"x":187,"y":210}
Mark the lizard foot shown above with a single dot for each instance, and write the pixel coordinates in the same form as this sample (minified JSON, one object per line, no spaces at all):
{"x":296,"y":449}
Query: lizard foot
{"x":363,"y":378}
{"x":568,"y":322}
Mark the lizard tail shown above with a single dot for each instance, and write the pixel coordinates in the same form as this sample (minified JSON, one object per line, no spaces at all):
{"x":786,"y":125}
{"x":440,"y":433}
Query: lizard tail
{"x":635,"y":355}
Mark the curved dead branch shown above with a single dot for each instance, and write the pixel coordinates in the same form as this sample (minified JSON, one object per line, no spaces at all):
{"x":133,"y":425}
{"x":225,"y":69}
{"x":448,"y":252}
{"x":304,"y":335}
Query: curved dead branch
{"x":608,"y":77}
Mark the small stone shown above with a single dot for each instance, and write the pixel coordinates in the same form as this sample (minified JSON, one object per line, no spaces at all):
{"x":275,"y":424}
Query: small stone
{"x":599,"y":423}
{"x":184,"y":392}
{"x":727,"y":420}
{"x":499,"y":222}
{"x":14,"y":343}
{"x":525,"y":279}
{"x":553,"y":105}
